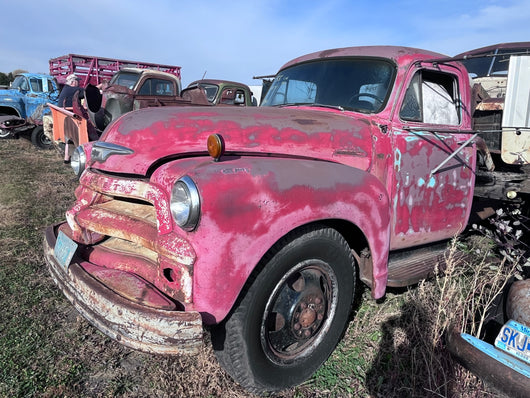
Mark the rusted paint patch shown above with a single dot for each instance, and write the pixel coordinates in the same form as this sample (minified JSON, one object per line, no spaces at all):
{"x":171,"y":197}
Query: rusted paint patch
{"x":133,"y":189}
{"x":171,"y":131}
{"x":136,"y":326}
{"x":429,"y":207}
{"x":278,"y":195}
{"x":491,"y":104}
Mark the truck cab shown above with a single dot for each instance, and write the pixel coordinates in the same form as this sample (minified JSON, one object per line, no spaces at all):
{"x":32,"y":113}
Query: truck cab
{"x":136,"y":88}
{"x":224,"y":92}
{"x":25,"y":102}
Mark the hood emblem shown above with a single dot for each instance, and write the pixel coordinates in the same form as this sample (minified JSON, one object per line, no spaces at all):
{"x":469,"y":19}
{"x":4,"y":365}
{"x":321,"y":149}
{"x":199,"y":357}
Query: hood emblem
{"x":102,"y":150}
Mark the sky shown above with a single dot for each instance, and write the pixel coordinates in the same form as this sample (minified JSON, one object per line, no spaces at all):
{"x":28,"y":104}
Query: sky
{"x":237,"y":40}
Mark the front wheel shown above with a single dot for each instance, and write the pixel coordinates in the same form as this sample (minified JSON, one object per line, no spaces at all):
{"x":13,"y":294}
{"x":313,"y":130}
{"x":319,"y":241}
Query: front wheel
{"x":4,"y":133}
{"x":39,"y":139}
{"x":292,"y":315}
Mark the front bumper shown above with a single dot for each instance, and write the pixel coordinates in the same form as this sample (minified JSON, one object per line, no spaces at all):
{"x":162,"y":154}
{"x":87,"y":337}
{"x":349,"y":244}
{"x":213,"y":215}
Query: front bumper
{"x":144,"y":328}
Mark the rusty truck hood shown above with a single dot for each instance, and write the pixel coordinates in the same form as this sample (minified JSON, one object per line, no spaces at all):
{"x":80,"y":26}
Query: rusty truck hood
{"x":175,"y":132}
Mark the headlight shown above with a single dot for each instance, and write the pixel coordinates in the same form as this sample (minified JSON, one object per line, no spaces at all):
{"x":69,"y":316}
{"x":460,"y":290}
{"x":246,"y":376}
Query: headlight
{"x":78,"y":160}
{"x":185,"y":203}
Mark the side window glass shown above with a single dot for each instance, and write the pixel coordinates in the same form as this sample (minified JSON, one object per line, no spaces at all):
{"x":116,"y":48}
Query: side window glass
{"x":163,"y":87}
{"x":146,"y":88}
{"x":228,"y":96}
{"x":50,"y":86}
{"x":36,"y":85}
{"x":24,"y":85}
{"x":432,"y":97}
{"x":410,"y":110}
{"x":240,"y":97}
{"x":155,"y":86}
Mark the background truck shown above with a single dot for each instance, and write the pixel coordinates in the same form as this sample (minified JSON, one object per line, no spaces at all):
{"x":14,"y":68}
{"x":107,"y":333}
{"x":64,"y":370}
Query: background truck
{"x":23,"y":105}
{"x":259,"y":222}
{"x":500,"y":122}
{"x":97,"y":70}
{"x":131,"y":89}
{"x":224,"y":92}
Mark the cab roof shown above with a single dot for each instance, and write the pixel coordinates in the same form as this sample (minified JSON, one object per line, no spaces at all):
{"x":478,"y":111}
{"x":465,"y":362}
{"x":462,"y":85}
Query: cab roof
{"x":394,"y":53}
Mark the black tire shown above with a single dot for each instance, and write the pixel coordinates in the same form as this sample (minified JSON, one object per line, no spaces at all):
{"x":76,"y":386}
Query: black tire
{"x":292,"y":315}
{"x":4,"y":133}
{"x":39,"y":139}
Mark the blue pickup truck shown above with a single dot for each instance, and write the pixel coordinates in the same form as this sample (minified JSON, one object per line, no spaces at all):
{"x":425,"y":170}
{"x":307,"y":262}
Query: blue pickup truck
{"x":23,"y":106}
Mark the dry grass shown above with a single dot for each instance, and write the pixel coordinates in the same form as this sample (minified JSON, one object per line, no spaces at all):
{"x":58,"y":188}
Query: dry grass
{"x":394,"y":348}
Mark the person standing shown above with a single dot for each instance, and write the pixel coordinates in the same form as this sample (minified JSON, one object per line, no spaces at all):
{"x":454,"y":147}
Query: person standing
{"x":68,"y":91}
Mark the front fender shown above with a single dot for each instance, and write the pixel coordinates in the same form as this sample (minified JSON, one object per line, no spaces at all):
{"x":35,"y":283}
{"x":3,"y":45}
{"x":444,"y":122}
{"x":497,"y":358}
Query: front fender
{"x":248,"y":204}
{"x":11,"y":108}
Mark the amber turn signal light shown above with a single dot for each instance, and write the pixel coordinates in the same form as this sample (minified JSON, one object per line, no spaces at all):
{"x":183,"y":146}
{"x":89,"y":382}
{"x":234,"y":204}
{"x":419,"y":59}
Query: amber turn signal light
{"x":216,"y":146}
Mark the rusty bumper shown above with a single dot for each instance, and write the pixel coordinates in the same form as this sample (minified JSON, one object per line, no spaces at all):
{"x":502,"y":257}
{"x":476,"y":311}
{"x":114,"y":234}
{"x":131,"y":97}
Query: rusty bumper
{"x":136,"y":326}
{"x":483,"y":360}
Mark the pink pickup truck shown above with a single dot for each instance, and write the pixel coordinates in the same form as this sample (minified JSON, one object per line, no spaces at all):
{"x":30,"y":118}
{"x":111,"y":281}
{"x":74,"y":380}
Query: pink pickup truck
{"x":261,"y":222}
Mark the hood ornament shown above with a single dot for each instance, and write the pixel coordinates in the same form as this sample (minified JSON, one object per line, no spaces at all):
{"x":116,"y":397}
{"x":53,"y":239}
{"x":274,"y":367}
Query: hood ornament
{"x":102,"y":150}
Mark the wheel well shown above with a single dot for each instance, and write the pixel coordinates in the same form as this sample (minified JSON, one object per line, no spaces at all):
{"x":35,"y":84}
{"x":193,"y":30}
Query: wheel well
{"x":350,"y":232}
{"x":8,"y":111}
{"x":353,"y":235}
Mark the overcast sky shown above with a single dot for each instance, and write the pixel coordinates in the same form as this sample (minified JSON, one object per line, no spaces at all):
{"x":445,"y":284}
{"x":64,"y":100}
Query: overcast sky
{"x":236,"y":40}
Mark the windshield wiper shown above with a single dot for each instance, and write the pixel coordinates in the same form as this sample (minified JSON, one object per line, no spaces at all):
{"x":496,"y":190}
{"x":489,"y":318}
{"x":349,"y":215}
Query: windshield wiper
{"x":313,"y":104}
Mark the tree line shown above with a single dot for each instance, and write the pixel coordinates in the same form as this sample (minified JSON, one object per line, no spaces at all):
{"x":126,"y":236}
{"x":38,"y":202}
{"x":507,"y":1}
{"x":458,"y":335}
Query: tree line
{"x":6,"y":78}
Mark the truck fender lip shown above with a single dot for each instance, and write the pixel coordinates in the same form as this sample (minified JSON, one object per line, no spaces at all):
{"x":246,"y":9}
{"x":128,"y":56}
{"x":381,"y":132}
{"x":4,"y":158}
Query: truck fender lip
{"x":136,"y":326}
{"x":473,"y":354}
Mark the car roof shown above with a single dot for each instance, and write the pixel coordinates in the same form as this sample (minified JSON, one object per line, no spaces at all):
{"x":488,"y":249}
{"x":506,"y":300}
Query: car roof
{"x":390,"y":52}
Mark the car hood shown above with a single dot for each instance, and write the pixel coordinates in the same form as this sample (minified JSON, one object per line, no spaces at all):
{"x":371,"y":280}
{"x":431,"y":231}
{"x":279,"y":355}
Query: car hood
{"x":165,"y":133}
{"x":7,"y":93}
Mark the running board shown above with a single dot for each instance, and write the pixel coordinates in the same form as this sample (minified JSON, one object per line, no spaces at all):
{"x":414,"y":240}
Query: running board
{"x":410,"y":266}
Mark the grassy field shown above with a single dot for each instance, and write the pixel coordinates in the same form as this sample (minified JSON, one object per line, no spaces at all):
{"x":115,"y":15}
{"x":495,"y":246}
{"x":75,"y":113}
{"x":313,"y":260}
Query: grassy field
{"x":392,"y":348}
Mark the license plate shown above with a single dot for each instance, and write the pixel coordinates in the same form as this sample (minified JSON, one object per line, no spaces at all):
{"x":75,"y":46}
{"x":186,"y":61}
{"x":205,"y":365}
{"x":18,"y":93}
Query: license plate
{"x":514,"y":338}
{"x":64,"y":250}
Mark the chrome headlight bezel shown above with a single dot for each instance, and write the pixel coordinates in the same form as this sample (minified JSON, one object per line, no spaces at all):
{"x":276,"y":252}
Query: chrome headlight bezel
{"x":185,"y":203}
{"x":78,"y":161}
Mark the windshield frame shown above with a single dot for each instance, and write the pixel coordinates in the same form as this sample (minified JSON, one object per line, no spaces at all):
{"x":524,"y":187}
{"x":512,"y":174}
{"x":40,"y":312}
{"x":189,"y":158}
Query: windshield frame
{"x":326,"y":82}
{"x":211,"y":91}
{"x":125,"y":73}
{"x":492,"y":63}
{"x":20,"y":82}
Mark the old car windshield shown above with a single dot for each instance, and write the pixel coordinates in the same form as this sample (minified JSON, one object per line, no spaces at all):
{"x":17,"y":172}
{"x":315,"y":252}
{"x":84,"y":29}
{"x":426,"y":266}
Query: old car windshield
{"x":492,"y":63}
{"x":358,"y":84}
{"x":210,"y":89}
{"x":125,"y":79}
{"x":20,"y":82}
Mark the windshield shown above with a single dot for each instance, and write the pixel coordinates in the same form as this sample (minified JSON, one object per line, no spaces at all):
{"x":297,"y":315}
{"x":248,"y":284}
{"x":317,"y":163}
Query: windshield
{"x":358,"y":84}
{"x":210,"y":89}
{"x":20,"y":82}
{"x":125,"y":79}
{"x":493,"y":63}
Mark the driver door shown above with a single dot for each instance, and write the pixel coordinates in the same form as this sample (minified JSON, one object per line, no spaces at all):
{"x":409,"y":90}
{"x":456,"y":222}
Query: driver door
{"x":434,"y":159}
